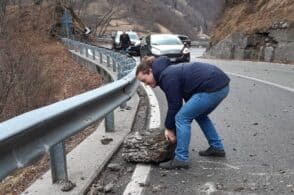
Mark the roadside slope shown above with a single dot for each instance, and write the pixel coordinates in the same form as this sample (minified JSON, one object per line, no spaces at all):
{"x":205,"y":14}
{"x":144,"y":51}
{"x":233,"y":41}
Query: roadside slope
{"x":27,"y":29}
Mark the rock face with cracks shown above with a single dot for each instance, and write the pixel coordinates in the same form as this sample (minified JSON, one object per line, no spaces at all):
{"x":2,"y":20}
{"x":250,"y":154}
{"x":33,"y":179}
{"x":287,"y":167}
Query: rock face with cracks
{"x":147,"y":146}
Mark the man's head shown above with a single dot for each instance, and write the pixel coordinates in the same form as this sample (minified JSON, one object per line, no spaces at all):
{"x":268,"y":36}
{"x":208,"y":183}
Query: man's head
{"x":144,"y":71}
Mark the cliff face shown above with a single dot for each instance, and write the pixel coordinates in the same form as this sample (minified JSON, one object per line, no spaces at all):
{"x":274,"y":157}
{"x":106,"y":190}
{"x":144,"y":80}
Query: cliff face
{"x":259,"y":30}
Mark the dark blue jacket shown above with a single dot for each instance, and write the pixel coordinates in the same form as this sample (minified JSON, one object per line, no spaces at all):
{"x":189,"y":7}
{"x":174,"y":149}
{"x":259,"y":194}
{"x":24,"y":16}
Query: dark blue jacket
{"x":180,"y":81}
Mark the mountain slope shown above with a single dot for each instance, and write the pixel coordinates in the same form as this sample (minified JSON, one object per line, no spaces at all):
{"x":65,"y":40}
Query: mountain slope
{"x":255,"y":30}
{"x":251,"y":16}
{"x":177,"y":16}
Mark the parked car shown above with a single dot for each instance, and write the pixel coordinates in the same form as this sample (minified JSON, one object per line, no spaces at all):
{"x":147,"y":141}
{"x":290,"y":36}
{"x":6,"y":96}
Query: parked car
{"x":185,"y":39}
{"x":165,"y":45}
{"x":134,"y":49}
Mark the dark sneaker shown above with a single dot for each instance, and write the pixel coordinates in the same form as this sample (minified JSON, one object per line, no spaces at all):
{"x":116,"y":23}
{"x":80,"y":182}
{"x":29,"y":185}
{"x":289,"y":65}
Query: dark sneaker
{"x":213,"y":152}
{"x":174,"y":164}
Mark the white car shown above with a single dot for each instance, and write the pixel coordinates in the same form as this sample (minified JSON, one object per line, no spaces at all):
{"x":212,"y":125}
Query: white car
{"x":165,"y":45}
{"x":135,"y":42}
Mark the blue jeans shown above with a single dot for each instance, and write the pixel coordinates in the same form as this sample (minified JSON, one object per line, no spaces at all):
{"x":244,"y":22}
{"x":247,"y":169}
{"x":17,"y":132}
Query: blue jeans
{"x":198,"y":107}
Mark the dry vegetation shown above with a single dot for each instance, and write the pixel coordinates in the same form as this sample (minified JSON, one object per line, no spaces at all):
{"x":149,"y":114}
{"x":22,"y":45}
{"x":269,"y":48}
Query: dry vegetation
{"x":35,"y":70}
{"x":252,"y":16}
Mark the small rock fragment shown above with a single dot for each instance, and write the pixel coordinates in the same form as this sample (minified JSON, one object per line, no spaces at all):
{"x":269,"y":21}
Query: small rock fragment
{"x":128,"y":108}
{"x":163,"y":174}
{"x":219,"y":186}
{"x":106,"y":141}
{"x":93,"y":191}
{"x":239,"y":189}
{"x":67,"y":186}
{"x":108,"y":187}
{"x":130,"y":169}
{"x":141,"y":184}
{"x":114,"y":167}
{"x":156,"y":188}
{"x":282,"y":171}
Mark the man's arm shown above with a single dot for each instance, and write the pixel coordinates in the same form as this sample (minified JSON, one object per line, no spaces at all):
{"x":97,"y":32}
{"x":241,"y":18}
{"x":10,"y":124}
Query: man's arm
{"x":174,"y":98}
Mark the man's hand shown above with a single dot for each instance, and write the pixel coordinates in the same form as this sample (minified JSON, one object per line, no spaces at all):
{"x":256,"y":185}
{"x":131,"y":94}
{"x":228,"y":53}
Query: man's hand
{"x":170,"y":135}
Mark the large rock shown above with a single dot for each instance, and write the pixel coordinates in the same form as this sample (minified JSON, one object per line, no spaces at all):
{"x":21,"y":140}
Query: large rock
{"x":285,"y":52}
{"x":274,"y":44}
{"x":146,"y":147}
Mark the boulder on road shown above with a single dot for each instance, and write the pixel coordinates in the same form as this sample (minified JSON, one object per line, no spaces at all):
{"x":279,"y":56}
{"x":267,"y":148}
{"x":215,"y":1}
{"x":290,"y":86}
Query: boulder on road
{"x":147,"y":146}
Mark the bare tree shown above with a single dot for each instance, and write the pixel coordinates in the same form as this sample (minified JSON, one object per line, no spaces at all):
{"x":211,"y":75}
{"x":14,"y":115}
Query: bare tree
{"x":25,"y":83}
{"x":7,"y":72}
{"x":3,"y":4}
{"x":104,"y":21}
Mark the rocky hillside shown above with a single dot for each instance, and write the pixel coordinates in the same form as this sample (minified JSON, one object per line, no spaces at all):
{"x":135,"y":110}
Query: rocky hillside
{"x":258,"y":30}
{"x":178,"y":16}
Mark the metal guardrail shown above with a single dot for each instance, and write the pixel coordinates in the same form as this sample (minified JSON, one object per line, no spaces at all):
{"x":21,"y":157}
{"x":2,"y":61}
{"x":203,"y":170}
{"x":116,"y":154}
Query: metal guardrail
{"x":28,"y":136}
{"x":202,"y":43}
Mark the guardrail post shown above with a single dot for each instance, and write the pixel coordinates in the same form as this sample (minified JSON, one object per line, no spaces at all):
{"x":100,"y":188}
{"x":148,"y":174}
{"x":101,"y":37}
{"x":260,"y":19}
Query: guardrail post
{"x":87,"y":51}
{"x":100,"y":56}
{"x":81,"y":49}
{"x":58,"y":163}
{"x":94,"y":53}
{"x":108,"y":61}
{"x":119,"y":70}
{"x":76,"y":47}
{"x":109,"y":122}
{"x":113,"y":65}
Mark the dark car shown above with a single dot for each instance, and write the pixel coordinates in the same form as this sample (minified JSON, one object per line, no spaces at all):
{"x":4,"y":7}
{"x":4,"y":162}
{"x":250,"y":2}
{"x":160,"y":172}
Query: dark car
{"x":185,"y":39}
{"x":165,"y":45}
{"x":134,"y":48}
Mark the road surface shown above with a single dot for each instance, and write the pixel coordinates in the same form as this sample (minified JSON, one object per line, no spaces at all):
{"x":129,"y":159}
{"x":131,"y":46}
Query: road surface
{"x":256,"y":123}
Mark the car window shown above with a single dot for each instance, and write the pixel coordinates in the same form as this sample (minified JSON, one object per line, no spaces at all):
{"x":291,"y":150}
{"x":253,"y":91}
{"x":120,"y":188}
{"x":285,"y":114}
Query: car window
{"x":183,"y":38}
{"x":165,"y":40}
{"x":118,"y":33}
{"x":133,"y":36}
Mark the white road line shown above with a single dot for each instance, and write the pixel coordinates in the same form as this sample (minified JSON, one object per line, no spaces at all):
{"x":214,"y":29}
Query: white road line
{"x":141,"y":174}
{"x":262,"y":81}
{"x":154,"y":108}
{"x":221,"y":163}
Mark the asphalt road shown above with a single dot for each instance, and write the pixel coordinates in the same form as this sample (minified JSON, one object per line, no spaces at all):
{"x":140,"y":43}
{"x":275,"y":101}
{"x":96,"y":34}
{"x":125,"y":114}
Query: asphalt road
{"x":257,"y":127}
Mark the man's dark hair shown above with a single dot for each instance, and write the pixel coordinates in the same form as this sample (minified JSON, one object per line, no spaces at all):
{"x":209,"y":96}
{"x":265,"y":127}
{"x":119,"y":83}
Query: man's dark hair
{"x":145,"y":65}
